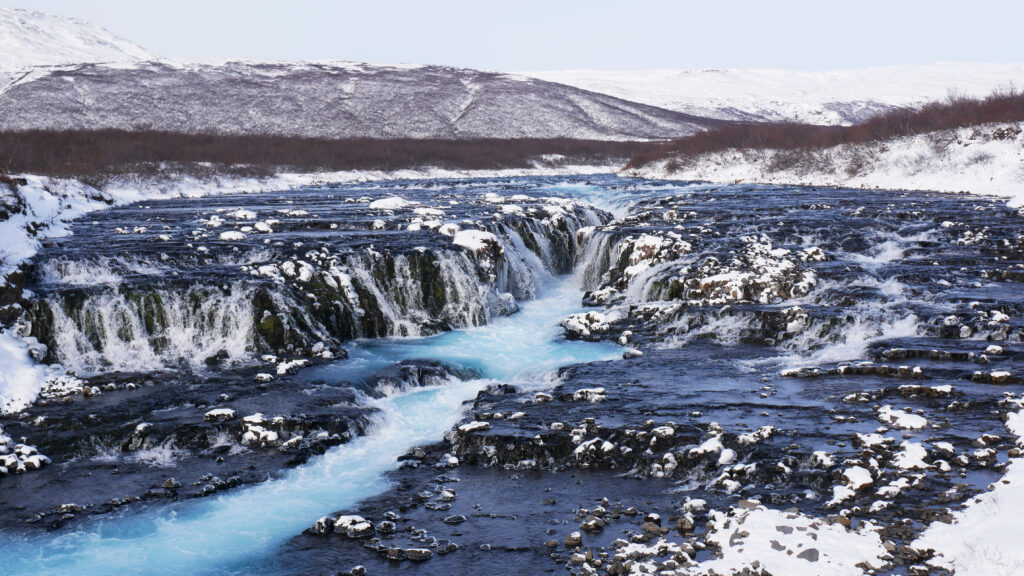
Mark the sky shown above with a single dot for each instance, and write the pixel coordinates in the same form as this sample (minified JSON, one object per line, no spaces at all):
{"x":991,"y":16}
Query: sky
{"x":526,"y":35}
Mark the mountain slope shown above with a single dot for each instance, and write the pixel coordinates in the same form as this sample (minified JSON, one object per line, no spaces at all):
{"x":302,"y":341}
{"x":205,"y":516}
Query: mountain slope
{"x":329,"y":100}
{"x":29,"y":38}
{"x":834,"y":97}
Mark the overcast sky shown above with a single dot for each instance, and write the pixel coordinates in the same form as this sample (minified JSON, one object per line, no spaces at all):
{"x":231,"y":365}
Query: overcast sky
{"x":554,"y":34}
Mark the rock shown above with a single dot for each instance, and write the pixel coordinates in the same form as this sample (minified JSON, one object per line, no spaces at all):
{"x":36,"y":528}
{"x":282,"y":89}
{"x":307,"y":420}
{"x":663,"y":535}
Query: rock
{"x":353,"y":526}
{"x":685,"y":523}
{"x":447,"y":461}
{"x":219,"y":415}
{"x":386,"y":527}
{"x":171,"y":484}
{"x":585,"y":325}
{"x":840,"y":520}
{"x":589,"y":395}
{"x":474,"y":427}
{"x":322,"y":526}
{"x":446,"y":547}
{"x":748,"y":504}
{"x":455,"y":519}
{"x":811,"y":555}
{"x":573,"y":540}
{"x":417,"y":554}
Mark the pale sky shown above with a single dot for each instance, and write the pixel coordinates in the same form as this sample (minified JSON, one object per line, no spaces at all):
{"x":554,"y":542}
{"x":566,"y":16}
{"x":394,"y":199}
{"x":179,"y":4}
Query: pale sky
{"x":553,"y":34}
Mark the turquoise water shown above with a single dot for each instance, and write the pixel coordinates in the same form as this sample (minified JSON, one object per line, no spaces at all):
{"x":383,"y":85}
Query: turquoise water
{"x":227,"y":533}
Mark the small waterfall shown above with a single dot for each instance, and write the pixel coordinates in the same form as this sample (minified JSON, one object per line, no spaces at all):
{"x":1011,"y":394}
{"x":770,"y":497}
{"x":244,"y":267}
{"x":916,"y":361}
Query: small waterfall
{"x":596,"y":258}
{"x":423,"y":292}
{"x":134,"y":330}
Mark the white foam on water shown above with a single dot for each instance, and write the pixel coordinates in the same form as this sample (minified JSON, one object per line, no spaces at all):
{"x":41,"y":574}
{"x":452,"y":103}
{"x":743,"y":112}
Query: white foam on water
{"x":191,"y":328}
{"x":856,"y":339}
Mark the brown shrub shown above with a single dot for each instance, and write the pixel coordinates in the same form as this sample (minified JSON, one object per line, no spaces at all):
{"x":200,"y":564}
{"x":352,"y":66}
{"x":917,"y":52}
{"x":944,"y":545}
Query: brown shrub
{"x":77,"y":153}
{"x":954,"y":112}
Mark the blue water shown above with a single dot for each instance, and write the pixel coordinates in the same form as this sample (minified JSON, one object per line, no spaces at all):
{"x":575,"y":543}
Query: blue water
{"x":229,"y":534}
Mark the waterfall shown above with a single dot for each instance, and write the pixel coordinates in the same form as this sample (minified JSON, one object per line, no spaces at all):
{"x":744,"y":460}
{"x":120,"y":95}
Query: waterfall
{"x":145,"y":330}
{"x":154,"y":311}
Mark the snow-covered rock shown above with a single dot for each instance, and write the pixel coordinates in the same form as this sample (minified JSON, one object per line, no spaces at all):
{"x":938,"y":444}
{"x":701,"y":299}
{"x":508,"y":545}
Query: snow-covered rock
{"x":474,"y":240}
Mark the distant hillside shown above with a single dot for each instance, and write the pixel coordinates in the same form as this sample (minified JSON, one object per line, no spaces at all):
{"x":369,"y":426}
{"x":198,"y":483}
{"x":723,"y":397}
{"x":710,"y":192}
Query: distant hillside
{"x":29,"y":39}
{"x":327,"y":100}
{"x":829,"y":97}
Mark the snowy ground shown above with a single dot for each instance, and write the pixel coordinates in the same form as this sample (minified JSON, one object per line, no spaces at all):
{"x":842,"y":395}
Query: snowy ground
{"x":29,"y":39}
{"x":984,"y":160}
{"x":984,"y":538}
{"x":829,"y":97}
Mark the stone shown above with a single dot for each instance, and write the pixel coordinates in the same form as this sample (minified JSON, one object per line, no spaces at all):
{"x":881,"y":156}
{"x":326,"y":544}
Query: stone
{"x":417,"y":554}
{"x":811,"y":555}
{"x":322,"y":526}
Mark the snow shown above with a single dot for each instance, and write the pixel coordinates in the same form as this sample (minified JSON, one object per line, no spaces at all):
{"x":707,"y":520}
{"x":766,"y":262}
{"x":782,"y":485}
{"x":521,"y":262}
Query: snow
{"x":21,"y":378}
{"x":872,"y":440}
{"x":761,"y":535}
{"x":911,"y":456}
{"x":474,"y":427}
{"x":858,"y":477}
{"x":986,"y":160}
{"x":984,"y":538}
{"x":219,"y":414}
{"x":29,"y":39}
{"x":712,"y":445}
{"x":390,"y":203}
{"x":243,"y":214}
{"x":232,"y":235}
{"x":320,"y":100}
{"x":901,"y":419}
{"x":475,"y":240}
{"x":825,"y":97}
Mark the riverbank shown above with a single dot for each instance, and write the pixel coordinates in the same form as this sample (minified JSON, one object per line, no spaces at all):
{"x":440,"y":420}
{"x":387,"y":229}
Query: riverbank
{"x":985,"y":160}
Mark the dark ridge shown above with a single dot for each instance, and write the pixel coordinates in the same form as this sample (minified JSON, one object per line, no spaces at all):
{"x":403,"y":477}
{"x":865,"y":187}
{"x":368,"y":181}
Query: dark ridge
{"x":954,"y":112}
{"x":107,"y":152}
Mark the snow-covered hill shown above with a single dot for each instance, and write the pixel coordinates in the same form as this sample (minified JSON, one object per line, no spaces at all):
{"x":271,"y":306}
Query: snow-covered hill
{"x":327,"y":99}
{"x":29,"y":38}
{"x":835,"y":97}
{"x":987,"y":159}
